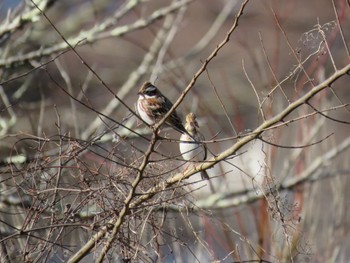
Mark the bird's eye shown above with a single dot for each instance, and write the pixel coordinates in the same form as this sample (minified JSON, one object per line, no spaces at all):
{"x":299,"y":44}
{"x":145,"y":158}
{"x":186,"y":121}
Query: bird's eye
{"x":150,"y":90}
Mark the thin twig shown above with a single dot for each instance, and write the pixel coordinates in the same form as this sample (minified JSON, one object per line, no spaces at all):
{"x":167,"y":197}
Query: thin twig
{"x":255,"y":92}
{"x":340,"y":27}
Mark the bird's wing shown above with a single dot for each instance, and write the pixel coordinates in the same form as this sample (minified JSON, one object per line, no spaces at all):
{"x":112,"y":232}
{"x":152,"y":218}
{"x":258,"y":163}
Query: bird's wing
{"x":201,"y":139}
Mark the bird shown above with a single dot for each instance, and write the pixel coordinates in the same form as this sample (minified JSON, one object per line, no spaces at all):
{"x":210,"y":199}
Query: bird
{"x":152,"y":106}
{"x":191,"y":147}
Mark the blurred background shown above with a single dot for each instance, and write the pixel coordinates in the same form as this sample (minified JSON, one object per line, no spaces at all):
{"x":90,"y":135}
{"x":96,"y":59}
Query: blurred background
{"x":70,"y":140}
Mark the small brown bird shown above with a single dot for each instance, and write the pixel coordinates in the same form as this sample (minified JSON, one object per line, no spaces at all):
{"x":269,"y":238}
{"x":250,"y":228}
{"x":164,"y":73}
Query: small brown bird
{"x":196,"y":151}
{"x":152,"y":106}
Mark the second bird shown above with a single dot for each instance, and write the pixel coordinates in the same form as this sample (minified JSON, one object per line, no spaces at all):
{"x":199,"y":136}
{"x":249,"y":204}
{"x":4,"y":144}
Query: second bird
{"x":191,"y":147}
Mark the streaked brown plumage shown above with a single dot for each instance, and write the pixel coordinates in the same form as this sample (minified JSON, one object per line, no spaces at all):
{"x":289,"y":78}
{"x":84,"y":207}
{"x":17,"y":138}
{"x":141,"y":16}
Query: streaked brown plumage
{"x":152,"y":106}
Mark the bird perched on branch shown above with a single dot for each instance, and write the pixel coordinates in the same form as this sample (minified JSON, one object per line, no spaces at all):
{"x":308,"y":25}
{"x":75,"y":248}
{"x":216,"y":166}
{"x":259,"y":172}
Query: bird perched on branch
{"x":191,"y":147}
{"x":152,"y":106}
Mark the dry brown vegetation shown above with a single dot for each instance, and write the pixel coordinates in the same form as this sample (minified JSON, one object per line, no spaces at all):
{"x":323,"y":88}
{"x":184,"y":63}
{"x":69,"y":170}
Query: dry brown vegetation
{"x":84,"y":179}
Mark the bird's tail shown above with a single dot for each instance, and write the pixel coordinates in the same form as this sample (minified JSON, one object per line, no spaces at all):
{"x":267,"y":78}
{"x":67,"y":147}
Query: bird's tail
{"x":204,"y":175}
